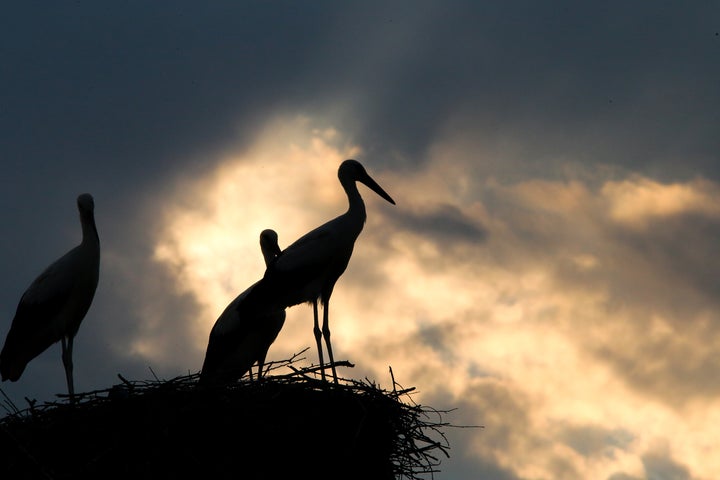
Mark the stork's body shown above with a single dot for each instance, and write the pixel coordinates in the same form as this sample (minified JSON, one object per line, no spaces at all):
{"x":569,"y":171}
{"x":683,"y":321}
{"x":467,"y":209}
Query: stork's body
{"x":238,"y":340}
{"x":307,"y":270}
{"x":55,"y":304}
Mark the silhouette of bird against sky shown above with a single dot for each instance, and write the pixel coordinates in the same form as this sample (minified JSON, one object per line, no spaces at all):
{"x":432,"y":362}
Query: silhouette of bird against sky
{"x":55,"y":304}
{"x":307,"y":270}
{"x":237,"y":341}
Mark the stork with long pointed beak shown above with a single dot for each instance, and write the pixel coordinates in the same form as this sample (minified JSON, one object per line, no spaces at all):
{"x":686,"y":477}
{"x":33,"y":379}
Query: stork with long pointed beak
{"x":55,"y":304}
{"x":308,"y":269}
{"x":237,"y":341}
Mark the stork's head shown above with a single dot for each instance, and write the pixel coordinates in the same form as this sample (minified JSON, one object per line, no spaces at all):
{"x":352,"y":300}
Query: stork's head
{"x":352,"y":170}
{"x":85,"y":203}
{"x":269,"y":245}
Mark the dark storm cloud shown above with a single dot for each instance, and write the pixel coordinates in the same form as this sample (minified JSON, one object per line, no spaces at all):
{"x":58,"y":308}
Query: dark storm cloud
{"x":636,"y":266}
{"x":622,"y":476}
{"x":560,"y":80}
{"x":133,"y":88}
{"x":471,"y":466}
{"x":138,"y":87}
{"x":660,"y":465}
{"x":439,"y":339}
{"x":507,"y":431}
{"x":665,"y":273}
{"x":681,"y":247}
{"x":441,"y":223}
{"x":594,"y":441}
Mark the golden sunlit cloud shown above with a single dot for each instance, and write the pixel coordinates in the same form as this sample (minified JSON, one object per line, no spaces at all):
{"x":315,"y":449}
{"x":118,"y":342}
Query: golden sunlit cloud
{"x":637,"y":200}
{"x":286,"y":181}
{"x":518,"y":299}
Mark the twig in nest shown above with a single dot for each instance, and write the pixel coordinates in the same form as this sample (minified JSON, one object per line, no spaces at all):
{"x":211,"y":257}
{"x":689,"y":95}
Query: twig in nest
{"x":153,"y":373}
{"x":8,"y":404}
{"x":124,"y":380}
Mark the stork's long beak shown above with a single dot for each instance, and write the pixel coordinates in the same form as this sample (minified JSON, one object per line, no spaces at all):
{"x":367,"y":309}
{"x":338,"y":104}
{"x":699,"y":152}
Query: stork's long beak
{"x":372,"y":185}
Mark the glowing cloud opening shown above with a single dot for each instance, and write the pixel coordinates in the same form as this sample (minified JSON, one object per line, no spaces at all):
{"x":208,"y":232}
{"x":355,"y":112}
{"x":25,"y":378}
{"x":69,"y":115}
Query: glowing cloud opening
{"x":526,"y":309}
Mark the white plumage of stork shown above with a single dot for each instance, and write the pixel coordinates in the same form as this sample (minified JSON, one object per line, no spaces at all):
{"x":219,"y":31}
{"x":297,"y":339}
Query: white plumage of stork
{"x":55,"y":304}
{"x":308,"y":269}
{"x":237,"y":341}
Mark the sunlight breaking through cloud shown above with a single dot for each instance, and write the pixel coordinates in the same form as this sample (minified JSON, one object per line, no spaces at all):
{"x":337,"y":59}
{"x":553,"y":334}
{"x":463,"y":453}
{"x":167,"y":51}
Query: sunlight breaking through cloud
{"x":535,"y":292}
{"x":211,"y":234}
{"x":636,"y":201}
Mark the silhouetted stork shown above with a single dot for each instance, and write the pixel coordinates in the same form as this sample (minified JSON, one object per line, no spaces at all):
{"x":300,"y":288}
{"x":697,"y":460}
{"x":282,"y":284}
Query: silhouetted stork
{"x":55,"y":304}
{"x":238,"y":340}
{"x":307,"y":270}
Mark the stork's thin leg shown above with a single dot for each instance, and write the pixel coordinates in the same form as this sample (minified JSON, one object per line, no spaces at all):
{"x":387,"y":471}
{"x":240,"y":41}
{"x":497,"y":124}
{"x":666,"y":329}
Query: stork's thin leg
{"x":261,"y":365}
{"x":318,"y":333}
{"x":67,"y":345}
{"x":326,"y":334}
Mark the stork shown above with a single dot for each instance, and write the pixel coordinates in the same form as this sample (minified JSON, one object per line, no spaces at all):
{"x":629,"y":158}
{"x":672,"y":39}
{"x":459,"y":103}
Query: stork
{"x":308,"y":269}
{"x":237,"y":341}
{"x":55,"y":303}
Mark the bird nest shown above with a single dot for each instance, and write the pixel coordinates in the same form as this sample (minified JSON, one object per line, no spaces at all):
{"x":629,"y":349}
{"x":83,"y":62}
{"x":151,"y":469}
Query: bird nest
{"x":291,"y":424}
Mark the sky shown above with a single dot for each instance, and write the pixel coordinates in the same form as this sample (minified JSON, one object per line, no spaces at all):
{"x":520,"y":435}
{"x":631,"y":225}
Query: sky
{"x":549,"y":271}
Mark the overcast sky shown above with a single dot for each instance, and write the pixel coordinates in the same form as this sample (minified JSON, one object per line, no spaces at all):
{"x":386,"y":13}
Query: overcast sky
{"x":550,"y":269}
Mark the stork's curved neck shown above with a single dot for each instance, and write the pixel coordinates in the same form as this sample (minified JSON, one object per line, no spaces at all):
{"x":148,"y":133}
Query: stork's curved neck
{"x":89,"y":230}
{"x":356,"y":206}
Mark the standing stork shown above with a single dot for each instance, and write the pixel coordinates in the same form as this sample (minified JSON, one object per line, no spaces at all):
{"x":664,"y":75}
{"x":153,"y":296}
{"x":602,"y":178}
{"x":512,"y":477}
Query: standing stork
{"x":237,"y":341}
{"x":55,"y":304}
{"x":307,"y":270}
